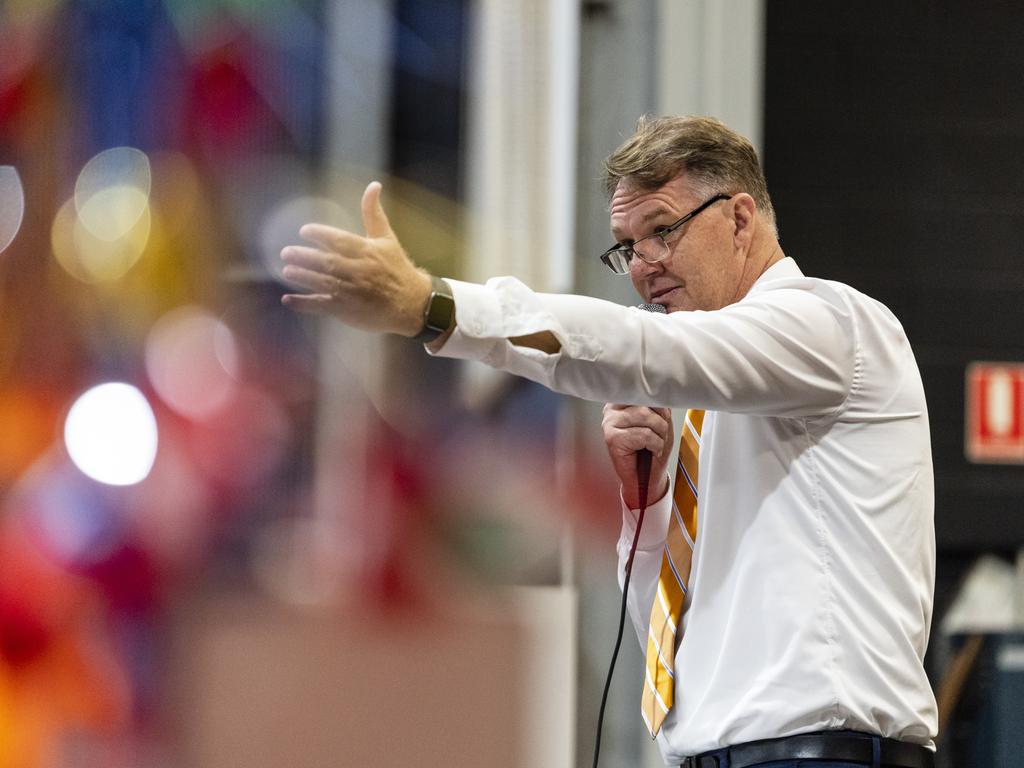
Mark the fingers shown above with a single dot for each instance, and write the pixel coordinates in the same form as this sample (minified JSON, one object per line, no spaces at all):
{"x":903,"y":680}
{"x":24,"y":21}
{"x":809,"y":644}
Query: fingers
{"x":332,"y":239}
{"x":310,"y":280}
{"x":375,"y":221}
{"x":619,"y":416}
{"x":344,"y":243}
{"x":317,"y":304}
{"x":665,"y":413}
{"x":630,"y":428}
{"x":309,"y":258}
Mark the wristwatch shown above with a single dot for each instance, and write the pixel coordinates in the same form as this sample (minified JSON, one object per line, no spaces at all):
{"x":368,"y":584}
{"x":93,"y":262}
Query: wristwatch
{"x":439,"y":313}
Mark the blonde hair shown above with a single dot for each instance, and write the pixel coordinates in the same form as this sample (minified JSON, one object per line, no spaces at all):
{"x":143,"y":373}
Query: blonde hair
{"x":715,"y":158}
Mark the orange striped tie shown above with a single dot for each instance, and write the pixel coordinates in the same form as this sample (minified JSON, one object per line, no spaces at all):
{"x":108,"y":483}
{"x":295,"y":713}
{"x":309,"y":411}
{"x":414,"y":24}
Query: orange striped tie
{"x":662,"y":634}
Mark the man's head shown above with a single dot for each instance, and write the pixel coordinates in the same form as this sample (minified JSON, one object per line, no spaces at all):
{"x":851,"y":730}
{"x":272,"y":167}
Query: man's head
{"x":715,"y":158}
{"x":670,"y":167}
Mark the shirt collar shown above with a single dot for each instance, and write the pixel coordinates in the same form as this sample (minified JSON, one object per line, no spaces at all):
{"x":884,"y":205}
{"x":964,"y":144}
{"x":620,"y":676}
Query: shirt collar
{"x":780,"y":270}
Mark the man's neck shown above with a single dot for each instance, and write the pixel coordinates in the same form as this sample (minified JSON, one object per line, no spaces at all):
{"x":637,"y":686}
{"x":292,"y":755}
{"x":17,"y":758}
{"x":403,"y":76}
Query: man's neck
{"x":764,"y":253}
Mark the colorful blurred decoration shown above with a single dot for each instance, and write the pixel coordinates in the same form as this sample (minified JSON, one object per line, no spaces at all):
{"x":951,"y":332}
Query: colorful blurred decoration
{"x":157,"y":402}
{"x":58,"y":673}
{"x":152,"y":407}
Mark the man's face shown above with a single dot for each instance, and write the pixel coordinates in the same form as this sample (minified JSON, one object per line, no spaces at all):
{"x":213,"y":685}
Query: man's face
{"x":704,"y":268}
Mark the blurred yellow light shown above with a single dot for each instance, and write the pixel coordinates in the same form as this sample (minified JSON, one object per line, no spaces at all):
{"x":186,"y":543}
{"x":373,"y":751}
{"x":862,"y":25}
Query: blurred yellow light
{"x":110,"y":214}
{"x":112,"y":191}
{"x":95,"y":259}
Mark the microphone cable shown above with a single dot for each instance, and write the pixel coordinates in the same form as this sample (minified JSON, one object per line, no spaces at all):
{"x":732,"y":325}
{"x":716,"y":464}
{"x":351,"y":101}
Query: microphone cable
{"x":643,"y":477}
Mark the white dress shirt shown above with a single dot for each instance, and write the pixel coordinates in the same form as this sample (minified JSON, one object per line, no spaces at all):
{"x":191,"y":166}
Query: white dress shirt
{"x":813,"y":571}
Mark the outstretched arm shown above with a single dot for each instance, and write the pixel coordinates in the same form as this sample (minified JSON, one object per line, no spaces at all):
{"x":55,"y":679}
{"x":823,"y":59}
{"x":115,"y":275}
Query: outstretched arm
{"x":368,"y":281}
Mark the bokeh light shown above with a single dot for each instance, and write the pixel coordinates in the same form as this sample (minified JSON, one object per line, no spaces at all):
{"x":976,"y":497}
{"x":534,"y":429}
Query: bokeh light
{"x":111,"y":434}
{"x":112,"y":192}
{"x":192,"y":361}
{"x":100,"y":233}
{"x":93,"y":259}
{"x":12,"y":205}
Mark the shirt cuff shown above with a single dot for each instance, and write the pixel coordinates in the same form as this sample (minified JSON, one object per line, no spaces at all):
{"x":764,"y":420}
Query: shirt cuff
{"x":655,"y":527}
{"x":477,"y":322}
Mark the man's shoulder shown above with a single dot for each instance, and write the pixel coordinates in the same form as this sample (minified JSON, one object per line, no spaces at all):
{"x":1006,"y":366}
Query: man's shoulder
{"x":836,"y":292}
{"x":784,"y":286}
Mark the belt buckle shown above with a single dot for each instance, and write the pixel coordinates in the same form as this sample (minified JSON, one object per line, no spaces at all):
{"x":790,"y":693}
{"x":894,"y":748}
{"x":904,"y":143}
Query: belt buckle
{"x":698,"y":761}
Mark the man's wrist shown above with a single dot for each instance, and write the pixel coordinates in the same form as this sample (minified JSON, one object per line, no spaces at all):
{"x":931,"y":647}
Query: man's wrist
{"x":438,"y":314}
{"x":656,"y":492}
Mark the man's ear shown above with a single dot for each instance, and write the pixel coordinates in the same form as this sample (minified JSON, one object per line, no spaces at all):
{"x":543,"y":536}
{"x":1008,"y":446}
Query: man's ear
{"x":744,"y":215}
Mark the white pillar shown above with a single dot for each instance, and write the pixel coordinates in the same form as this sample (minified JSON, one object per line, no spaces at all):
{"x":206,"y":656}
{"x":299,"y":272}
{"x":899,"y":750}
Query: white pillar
{"x":358,"y":65}
{"x":712,"y":62}
{"x":522,"y":141}
{"x":521,"y":206}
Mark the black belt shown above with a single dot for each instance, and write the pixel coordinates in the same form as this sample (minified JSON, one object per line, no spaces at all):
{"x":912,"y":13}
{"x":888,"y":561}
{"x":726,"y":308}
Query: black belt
{"x":825,"y":745}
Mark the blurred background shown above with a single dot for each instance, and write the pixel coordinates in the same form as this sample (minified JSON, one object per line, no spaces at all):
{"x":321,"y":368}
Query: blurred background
{"x":230,"y":535}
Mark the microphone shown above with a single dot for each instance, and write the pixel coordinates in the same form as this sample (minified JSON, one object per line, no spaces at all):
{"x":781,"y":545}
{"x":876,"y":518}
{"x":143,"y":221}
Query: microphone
{"x":643,"y":456}
{"x":656,"y":308}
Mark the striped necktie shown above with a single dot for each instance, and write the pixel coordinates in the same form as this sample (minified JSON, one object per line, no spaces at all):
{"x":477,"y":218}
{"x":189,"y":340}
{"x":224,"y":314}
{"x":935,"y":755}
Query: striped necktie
{"x":662,"y":635}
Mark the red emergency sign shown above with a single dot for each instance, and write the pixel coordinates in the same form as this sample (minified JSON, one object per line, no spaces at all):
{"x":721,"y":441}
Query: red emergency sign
{"x":994,"y":424}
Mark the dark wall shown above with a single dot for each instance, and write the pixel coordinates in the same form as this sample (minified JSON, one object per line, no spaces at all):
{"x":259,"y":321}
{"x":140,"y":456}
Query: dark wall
{"x":894,"y":150}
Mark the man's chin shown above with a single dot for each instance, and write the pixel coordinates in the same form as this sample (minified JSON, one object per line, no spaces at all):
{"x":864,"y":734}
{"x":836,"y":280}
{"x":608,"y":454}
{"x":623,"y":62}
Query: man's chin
{"x":675,"y":300}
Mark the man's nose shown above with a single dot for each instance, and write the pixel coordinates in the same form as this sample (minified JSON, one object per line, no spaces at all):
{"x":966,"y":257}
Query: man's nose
{"x":639,"y":268}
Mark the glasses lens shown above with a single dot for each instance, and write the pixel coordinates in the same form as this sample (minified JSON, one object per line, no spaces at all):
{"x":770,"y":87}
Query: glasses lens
{"x":651,"y":249}
{"x":618,"y":260}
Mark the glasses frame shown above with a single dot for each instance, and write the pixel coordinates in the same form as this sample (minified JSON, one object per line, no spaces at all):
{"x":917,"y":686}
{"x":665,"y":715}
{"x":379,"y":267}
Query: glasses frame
{"x":630,"y":250}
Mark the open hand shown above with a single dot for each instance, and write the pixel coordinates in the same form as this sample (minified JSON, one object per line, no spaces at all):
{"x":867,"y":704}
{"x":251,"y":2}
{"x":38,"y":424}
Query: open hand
{"x":368,"y":282}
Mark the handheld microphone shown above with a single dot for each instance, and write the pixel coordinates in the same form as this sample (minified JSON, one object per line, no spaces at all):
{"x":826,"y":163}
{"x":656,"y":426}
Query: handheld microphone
{"x":643,"y":456}
{"x":658,"y":309}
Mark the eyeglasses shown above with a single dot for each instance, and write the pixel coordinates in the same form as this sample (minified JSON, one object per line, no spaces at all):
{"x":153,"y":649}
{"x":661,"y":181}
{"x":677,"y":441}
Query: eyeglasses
{"x":656,"y":246}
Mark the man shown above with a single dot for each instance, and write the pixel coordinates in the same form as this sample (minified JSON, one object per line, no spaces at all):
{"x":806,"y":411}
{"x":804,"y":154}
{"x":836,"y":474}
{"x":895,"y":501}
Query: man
{"x":802,"y":621}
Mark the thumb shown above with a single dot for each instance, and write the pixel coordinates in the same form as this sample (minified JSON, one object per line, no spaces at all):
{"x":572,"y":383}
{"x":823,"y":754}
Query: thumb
{"x":375,"y":221}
